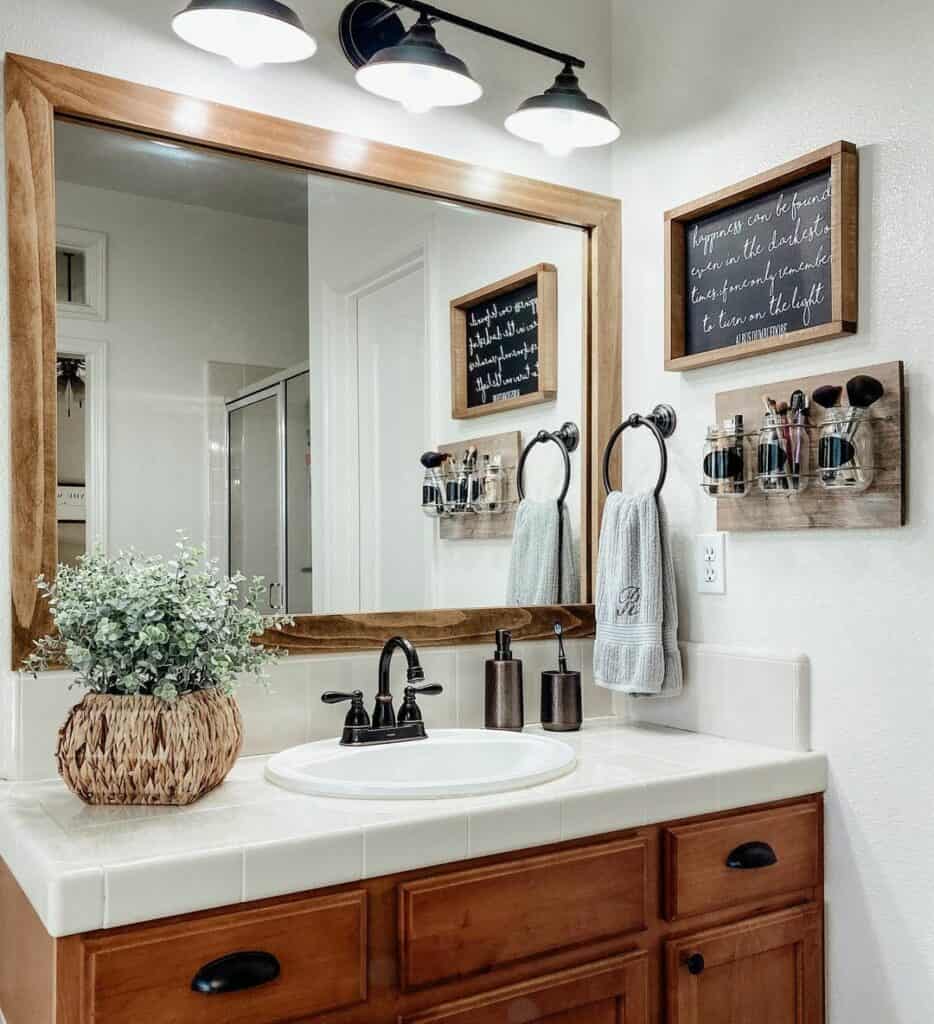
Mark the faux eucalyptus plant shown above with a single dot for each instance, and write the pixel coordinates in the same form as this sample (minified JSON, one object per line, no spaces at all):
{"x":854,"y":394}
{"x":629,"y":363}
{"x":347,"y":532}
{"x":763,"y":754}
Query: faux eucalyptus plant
{"x":142,"y":625}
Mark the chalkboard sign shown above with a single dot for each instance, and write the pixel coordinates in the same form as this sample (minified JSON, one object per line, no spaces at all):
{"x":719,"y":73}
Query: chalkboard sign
{"x":752,"y":269}
{"x":760,"y":269}
{"x":503,"y":344}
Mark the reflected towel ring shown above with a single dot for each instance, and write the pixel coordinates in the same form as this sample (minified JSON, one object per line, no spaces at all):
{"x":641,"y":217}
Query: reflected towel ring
{"x":567,"y":439}
{"x":662,"y":422}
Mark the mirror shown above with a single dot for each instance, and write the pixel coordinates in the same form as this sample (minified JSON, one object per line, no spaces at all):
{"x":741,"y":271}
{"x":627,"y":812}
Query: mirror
{"x":259,"y":357}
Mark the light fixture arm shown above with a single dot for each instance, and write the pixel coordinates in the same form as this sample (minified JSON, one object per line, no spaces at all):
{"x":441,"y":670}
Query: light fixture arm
{"x":436,"y":13}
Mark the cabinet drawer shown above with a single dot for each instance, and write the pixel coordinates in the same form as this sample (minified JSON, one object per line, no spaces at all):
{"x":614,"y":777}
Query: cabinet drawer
{"x":146,"y":974}
{"x":611,"y":991}
{"x":465,"y":922}
{"x":736,"y":860}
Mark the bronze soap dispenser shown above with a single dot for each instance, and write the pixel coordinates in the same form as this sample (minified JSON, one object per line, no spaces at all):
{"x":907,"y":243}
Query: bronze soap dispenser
{"x":503,"y":694}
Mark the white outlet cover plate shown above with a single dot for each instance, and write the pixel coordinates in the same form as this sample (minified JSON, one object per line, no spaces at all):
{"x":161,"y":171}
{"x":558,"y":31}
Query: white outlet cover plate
{"x":711,"y":563}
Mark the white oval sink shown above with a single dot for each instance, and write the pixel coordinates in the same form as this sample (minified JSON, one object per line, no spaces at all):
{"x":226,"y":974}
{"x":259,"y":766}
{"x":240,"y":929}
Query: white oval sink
{"x":449,"y":763}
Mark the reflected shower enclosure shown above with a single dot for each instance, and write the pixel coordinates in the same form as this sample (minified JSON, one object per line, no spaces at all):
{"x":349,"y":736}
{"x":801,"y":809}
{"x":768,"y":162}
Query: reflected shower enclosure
{"x":269,"y":489}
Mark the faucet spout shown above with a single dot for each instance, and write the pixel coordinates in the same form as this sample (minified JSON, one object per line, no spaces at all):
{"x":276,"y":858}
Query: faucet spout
{"x":383,"y":713}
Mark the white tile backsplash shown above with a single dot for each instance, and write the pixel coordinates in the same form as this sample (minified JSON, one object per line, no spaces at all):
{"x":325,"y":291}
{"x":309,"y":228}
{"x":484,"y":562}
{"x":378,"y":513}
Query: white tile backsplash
{"x":729,"y":693}
{"x":736,"y":694}
{"x":41,"y":704}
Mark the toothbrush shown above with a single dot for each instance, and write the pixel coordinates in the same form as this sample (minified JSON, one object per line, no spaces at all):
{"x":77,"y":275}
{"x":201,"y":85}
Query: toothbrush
{"x":562,"y":657}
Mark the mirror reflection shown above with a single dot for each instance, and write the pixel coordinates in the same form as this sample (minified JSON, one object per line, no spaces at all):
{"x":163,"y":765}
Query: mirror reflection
{"x":326,"y":384}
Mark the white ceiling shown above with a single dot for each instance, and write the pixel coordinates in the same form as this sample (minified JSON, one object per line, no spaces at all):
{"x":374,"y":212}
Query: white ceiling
{"x":142,"y":166}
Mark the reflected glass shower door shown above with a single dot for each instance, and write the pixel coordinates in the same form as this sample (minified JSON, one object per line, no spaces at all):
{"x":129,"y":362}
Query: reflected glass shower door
{"x":256,"y":447}
{"x":298,"y":494}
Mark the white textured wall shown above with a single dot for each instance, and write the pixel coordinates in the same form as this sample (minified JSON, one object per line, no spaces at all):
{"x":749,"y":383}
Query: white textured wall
{"x":708,"y":94}
{"x":131,"y":39}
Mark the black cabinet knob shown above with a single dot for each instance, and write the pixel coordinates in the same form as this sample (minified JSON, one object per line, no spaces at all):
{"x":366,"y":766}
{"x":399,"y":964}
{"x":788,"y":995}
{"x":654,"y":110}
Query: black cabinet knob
{"x":751,"y":856}
{"x":695,"y":963}
{"x":236,"y":972}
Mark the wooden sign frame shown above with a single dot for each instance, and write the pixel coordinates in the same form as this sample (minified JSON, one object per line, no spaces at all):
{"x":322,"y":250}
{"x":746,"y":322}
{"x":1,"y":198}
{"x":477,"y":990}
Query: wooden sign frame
{"x":545,"y":276}
{"x":842,"y":160}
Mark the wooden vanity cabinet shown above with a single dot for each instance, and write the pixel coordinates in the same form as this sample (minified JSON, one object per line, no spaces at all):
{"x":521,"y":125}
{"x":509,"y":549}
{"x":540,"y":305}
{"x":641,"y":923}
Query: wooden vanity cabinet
{"x":714,"y":920}
{"x":768,"y":970}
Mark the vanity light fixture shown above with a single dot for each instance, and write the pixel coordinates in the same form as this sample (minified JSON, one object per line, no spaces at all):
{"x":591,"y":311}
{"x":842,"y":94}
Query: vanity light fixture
{"x":419,"y":73}
{"x":247,"y":32}
{"x":563,"y":118}
{"x":413,"y":68}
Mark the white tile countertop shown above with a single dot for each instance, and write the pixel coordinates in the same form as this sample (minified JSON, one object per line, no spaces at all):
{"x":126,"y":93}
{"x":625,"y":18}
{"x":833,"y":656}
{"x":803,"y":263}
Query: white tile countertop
{"x":85,"y":868}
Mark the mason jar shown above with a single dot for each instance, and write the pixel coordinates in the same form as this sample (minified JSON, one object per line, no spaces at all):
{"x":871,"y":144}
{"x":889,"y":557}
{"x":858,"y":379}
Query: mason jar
{"x":723,"y":466}
{"x":845,"y":450}
{"x":783,"y":455}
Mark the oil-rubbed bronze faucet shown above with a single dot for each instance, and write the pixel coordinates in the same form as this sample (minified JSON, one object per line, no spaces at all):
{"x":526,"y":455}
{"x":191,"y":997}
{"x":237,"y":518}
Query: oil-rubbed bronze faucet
{"x":385,"y":728}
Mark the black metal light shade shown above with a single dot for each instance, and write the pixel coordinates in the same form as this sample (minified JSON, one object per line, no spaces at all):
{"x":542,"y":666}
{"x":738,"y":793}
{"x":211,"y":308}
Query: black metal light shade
{"x":248,"y":32}
{"x":563,"y":118}
{"x":419,"y":73}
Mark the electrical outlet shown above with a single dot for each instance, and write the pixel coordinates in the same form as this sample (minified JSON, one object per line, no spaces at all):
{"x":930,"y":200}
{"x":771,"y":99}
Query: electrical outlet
{"x":711,"y":563}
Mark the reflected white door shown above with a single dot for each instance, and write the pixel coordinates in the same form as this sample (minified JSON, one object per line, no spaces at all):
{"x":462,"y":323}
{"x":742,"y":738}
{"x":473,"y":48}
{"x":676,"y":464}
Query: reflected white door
{"x":393,"y":419}
{"x":256,"y":452}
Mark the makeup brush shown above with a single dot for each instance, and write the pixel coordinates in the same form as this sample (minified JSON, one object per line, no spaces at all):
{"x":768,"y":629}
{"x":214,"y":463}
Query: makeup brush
{"x":827,"y":396}
{"x":798,"y":418}
{"x":862,"y":392}
{"x":782,"y":410}
{"x":432,"y":461}
{"x":774,"y":442}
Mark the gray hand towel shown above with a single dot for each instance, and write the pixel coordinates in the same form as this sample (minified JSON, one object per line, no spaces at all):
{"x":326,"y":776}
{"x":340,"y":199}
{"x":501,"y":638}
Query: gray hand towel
{"x":533,"y":567}
{"x":636,"y":649}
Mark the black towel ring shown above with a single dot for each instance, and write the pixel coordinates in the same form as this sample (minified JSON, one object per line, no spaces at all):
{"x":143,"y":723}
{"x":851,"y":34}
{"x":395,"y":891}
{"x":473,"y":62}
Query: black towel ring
{"x":662,"y":422}
{"x":567,"y":439}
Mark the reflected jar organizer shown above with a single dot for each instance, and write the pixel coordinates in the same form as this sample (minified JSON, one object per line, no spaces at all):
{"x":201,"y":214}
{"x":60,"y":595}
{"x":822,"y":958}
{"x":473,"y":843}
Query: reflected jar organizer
{"x":830,"y":457}
{"x":469,"y":486}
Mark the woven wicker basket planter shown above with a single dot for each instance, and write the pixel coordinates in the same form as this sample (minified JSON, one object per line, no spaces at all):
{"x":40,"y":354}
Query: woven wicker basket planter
{"x":140,"y":750}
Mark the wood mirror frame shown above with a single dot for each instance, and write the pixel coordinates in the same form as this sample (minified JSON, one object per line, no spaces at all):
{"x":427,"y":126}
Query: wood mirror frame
{"x":37,"y":92}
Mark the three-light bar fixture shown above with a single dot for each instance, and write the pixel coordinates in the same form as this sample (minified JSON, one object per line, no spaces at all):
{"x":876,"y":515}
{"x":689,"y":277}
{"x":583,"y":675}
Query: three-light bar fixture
{"x":407,"y":65}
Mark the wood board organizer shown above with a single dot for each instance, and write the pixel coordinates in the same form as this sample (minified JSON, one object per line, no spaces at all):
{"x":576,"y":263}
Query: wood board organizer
{"x":484,"y":527}
{"x":882,"y":505}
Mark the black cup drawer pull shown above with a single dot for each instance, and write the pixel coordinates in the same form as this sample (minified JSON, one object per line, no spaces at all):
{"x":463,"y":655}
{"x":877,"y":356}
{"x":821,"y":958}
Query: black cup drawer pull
{"x":751,"y":856}
{"x":695,"y":963}
{"x":236,"y":972}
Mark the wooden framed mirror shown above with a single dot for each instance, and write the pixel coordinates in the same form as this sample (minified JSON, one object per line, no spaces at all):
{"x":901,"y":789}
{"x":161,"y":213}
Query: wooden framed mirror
{"x":50,"y":108}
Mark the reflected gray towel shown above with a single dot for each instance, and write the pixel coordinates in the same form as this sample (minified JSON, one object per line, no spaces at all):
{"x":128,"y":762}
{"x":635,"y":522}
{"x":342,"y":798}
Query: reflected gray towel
{"x":533,"y":567}
{"x":636,"y":648}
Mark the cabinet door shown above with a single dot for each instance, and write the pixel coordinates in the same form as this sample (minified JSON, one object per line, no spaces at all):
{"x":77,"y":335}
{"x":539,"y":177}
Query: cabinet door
{"x":768,"y":970}
{"x":611,"y":991}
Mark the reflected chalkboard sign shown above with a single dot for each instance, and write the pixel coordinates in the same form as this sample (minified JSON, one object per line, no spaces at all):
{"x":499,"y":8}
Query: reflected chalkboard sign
{"x":752,"y":269}
{"x":503,"y":344}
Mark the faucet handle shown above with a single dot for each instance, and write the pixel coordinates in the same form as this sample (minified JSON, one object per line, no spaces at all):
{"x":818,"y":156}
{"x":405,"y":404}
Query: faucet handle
{"x":410,"y":711}
{"x":357,"y":715}
{"x":429,"y":689}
